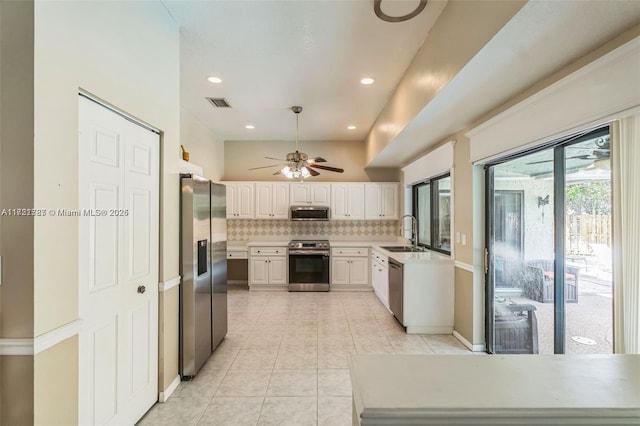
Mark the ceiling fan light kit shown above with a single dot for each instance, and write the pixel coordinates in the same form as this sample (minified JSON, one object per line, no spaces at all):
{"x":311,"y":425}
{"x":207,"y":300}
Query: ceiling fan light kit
{"x":298,"y":164}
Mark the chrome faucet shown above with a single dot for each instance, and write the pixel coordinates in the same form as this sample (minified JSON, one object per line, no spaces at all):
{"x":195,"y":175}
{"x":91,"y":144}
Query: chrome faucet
{"x":414,"y":230}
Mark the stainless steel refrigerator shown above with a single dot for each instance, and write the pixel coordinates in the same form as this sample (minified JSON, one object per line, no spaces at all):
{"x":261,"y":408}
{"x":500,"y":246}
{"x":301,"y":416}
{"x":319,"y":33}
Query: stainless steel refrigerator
{"x":203,"y":271}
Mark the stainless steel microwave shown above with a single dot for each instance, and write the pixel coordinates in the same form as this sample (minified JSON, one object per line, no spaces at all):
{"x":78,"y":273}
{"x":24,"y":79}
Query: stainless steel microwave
{"x":309,"y":213}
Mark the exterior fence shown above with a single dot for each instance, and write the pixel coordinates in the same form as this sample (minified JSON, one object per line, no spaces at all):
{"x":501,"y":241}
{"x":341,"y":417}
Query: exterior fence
{"x":582,"y":230}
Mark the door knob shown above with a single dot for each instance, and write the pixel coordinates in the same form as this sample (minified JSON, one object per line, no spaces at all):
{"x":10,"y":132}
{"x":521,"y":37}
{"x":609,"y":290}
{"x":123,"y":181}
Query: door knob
{"x":141,"y":289}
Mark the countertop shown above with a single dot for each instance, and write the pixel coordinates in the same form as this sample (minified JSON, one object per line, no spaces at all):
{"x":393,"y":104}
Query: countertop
{"x":406,"y":257}
{"x":515,"y":389}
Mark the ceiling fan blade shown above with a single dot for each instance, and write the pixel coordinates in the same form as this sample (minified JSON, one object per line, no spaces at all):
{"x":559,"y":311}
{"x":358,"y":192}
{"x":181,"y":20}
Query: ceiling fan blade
{"x":317,"y":160}
{"x":540,"y":162}
{"x":277,"y":159}
{"x":277,"y":173}
{"x":312,"y":172}
{"x":331,"y":169}
{"x":265,"y":167}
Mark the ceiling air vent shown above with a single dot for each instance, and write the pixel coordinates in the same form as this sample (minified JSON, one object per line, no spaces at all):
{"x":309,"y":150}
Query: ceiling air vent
{"x":219,"y":102}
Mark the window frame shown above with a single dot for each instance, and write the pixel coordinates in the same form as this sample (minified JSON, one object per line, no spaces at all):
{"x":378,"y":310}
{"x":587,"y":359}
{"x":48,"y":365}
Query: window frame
{"x":434,"y":210}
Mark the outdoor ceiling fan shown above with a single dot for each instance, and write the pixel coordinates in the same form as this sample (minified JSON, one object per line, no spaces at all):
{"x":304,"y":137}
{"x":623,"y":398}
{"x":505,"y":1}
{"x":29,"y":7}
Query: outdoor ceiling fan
{"x":298,"y":165}
{"x":600,"y":154}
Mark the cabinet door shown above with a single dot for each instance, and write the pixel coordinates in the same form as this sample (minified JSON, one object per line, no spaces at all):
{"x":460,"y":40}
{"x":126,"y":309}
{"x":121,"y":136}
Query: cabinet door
{"x":278,"y":270}
{"x":373,"y":201}
{"x":339,"y":201}
{"x":259,"y":270}
{"x":359,"y":270}
{"x":264,"y":199}
{"x":356,"y":201}
{"x":243,"y":200}
{"x":280,"y":202}
{"x":232,"y":191}
{"x":319,"y":194}
{"x":389,"y":201}
{"x":299,"y":194}
{"x":340,"y":270}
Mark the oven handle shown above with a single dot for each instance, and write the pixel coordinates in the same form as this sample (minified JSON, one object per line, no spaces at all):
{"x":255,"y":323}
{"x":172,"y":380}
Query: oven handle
{"x":310,"y":252}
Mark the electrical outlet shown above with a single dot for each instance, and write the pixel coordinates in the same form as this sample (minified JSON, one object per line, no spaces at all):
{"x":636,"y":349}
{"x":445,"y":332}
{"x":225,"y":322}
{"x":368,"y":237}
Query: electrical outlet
{"x":464,"y":239}
{"x":457,"y":237}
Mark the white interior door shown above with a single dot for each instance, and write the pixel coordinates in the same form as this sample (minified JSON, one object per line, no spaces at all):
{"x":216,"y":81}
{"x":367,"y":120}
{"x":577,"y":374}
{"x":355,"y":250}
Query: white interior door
{"x":118,"y":266}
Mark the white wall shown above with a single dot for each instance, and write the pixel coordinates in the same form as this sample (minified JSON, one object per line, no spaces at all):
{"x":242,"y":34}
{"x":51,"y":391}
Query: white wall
{"x":126,"y":53}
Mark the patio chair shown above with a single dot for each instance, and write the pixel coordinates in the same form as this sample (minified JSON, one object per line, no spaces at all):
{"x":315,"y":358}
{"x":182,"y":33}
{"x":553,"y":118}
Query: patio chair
{"x":538,"y":281}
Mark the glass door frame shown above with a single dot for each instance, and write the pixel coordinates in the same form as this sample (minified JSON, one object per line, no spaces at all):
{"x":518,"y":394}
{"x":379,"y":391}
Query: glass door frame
{"x":559,"y":178}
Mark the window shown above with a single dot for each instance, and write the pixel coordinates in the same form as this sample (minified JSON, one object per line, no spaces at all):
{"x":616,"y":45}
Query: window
{"x":432,"y":210}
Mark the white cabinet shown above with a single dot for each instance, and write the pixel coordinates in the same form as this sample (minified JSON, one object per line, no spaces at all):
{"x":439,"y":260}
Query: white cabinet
{"x":381,"y":201}
{"x":380,"y":276}
{"x":239,"y":200}
{"x":350,"y":268}
{"x":272,"y":200}
{"x":347,"y":201}
{"x":312,"y":194}
{"x":268,"y":268}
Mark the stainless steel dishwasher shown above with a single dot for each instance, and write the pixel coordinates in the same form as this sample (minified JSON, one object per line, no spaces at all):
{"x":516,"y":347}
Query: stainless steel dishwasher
{"x":396,"y":290}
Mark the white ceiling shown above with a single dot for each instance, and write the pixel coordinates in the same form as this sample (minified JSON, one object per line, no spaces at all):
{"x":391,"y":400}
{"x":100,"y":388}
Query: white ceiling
{"x":273,"y":54}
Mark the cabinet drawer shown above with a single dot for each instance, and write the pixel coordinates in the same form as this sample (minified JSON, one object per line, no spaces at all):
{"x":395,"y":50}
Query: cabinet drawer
{"x":237,"y":255}
{"x":378,"y":257}
{"x":350,"y":251}
{"x":268,"y":251}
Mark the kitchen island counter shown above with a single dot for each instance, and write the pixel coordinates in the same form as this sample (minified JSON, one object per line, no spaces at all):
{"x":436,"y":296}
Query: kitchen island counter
{"x":495,"y":389}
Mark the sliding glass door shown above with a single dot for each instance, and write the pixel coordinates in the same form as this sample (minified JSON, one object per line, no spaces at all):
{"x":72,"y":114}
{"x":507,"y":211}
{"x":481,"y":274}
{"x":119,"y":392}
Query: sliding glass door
{"x":547,"y":252}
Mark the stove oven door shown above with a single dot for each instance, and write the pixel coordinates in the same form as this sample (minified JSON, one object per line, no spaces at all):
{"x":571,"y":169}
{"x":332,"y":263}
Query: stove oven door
{"x":308,"y":270}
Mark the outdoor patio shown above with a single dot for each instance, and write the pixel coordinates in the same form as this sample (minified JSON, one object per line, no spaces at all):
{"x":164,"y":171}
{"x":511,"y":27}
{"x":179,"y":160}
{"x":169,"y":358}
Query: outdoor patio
{"x":588,"y":322}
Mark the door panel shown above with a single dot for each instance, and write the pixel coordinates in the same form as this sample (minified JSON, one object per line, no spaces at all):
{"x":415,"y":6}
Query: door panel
{"x":359,"y":270}
{"x":118,"y":266}
{"x":277,"y":270}
{"x":104,"y":238}
{"x":104,"y":361}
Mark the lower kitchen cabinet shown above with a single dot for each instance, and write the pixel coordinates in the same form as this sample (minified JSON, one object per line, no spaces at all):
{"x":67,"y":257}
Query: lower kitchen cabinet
{"x":380,"y":276}
{"x":268,"y":268}
{"x":350,"y":268}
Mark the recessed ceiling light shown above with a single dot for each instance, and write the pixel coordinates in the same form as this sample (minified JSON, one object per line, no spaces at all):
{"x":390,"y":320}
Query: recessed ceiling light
{"x":214,"y":79}
{"x":367,"y":80}
{"x":351,"y":127}
{"x":250,"y":126}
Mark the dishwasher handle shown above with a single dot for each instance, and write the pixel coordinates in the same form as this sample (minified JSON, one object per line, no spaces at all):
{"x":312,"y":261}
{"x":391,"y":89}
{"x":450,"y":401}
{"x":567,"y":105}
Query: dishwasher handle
{"x":395,"y":265}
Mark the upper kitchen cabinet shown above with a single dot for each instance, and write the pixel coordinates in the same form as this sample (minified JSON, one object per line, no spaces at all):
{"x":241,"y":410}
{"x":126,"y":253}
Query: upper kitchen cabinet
{"x":381,"y":201}
{"x":347,"y":201}
{"x":272,"y":200}
{"x":311,"y":194}
{"x":240,"y":200}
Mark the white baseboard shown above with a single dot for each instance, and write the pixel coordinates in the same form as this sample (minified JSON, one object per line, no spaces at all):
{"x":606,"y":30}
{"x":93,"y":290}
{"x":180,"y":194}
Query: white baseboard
{"x":164,"y":395}
{"x":468,"y":344}
{"x":429,"y":330}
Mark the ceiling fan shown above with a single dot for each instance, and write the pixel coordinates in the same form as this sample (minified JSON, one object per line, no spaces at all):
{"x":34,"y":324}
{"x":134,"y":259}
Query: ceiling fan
{"x":298,"y":165}
{"x":599,"y":154}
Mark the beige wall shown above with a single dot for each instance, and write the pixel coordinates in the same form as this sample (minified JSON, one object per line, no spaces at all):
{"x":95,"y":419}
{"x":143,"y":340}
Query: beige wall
{"x":206,"y":149}
{"x":462,"y":29}
{"x":84,"y":45}
{"x":17,"y":384}
{"x":16,"y":191}
{"x":16,"y":165}
{"x":55,"y":400}
{"x":239,"y":156}
{"x":463,"y":199}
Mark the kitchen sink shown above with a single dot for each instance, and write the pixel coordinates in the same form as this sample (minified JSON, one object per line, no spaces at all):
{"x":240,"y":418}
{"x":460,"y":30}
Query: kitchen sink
{"x":400,"y":249}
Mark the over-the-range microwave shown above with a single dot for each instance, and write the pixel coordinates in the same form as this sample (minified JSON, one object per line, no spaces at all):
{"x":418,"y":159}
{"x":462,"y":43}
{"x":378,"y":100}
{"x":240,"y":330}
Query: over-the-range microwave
{"x":309,"y":213}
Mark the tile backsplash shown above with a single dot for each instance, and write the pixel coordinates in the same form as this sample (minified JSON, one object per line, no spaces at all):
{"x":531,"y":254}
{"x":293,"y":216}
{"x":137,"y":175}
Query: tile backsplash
{"x":352,"y":230}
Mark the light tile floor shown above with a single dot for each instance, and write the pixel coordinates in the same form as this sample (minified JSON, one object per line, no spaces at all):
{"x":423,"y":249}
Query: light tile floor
{"x":285,"y":360}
